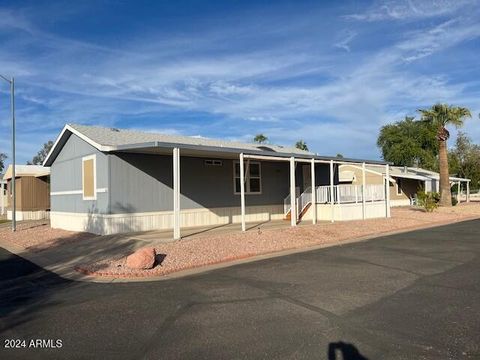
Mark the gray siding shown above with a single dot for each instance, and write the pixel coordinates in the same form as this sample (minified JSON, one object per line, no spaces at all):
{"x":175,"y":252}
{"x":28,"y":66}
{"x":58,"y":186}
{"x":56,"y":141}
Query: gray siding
{"x":143,"y":183}
{"x":66,"y":175}
{"x":139,"y":183}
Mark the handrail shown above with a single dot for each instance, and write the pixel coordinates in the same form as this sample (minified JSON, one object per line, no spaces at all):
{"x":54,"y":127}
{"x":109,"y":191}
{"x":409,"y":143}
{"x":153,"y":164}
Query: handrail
{"x":342,"y":194}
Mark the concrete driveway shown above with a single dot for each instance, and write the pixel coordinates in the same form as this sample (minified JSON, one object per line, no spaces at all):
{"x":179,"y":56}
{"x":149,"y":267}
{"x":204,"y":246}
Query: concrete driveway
{"x":408,"y":296}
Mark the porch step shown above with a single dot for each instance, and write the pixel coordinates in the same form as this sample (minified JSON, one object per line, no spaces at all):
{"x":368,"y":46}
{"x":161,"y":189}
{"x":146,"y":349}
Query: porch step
{"x":288,"y":216}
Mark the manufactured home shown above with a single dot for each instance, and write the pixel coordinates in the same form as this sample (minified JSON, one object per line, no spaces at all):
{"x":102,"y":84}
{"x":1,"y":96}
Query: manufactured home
{"x":405,"y":182}
{"x":32,"y":188}
{"x":108,"y":180}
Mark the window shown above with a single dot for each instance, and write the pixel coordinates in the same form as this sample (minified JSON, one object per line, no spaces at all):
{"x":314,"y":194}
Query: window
{"x":399,"y":187}
{"x":253,"y":177}
{"x":89,"y":178}
{"x":213,"y":162}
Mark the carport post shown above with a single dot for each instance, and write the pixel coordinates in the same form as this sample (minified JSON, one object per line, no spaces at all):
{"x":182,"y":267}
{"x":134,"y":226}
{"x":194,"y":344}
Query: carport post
{"x":314,"y":193}
{"x":242,"y":190}
{"x":387,"y":190}
{"x":176,"y":193}
{"x":332,"y":206}
{"x":468,"y":191}
{"x":363,"y":192}
{"x":458,"y":191}
{"x":293,"y":195}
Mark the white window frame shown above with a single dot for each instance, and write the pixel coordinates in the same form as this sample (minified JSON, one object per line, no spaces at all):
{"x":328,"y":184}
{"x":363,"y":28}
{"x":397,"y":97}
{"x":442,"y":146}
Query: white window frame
{"x":247,"y":178}
{"x":94,"y":158}
{"x":399,"y":189}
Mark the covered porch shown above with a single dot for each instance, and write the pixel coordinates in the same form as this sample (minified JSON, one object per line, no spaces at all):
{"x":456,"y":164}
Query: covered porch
{"x":332,"y":202}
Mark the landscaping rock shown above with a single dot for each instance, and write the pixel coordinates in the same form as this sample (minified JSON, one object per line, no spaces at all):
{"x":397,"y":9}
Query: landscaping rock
{"x":142,"y":259}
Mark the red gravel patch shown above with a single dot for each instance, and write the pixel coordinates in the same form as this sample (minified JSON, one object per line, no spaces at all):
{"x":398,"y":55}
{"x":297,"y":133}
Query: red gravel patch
{"x":38,"y":236}
{"x":218,"y":248}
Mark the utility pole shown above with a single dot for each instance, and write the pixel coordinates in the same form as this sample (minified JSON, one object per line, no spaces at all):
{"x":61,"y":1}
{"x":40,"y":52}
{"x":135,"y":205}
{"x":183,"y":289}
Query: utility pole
{"x":12,"y":107}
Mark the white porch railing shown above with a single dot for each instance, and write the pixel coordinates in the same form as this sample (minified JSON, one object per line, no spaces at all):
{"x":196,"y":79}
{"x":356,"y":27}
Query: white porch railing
{"x":342,"y":194}
{"x":347,"y":194}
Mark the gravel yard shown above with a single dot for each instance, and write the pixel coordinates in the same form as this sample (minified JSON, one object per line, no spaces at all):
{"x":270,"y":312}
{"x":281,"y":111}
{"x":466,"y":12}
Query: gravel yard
{"x":38,"y":236}
{"x":212,"y":249}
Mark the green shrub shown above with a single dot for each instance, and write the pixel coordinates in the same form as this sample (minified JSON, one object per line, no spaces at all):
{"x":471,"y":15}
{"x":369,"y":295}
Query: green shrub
{"x":428,"y":200}
{"x":454,"y":201}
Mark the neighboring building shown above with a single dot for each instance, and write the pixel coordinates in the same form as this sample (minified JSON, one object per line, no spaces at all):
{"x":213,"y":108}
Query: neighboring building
{"x":106,"y":181}
{"x":3,"y":196}
{"x":405,"y":182}
{"x":32,"y":184}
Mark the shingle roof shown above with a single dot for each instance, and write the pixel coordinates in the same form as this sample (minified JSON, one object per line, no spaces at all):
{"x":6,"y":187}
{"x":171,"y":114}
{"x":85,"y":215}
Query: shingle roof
{"x":118,"y":137}
{"x":111,"y":140}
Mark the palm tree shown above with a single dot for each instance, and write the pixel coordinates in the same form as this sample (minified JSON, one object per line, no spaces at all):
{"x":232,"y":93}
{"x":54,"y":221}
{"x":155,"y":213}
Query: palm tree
{"x":302,"y":145}
{"x":260,"y":138}
{"x":441,"y":115}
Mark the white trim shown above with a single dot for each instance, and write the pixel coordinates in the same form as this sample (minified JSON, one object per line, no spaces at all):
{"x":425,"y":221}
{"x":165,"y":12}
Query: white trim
{"x":331,"y":192}
{"x":242,"y":189}
{"x":247,"y":178}
{"x":293,"y":195}
{"x":71,"y":192}
{"x":86,"y":158}
{"x":76,"y":192}
{"x":387,"y":189}
{"x":176,"y":193}
{"x":314,"y":192}
{"x":364,"y":184}
{"x":81,"y":136}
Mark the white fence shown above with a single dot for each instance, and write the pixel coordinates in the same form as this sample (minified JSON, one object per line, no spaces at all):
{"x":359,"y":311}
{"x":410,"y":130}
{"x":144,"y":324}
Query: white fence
{"x":342,"y":194}
{"x":347,"y":194}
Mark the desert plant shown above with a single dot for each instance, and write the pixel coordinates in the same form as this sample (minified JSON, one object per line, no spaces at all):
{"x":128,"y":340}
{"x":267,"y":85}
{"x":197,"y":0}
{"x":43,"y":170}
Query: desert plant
{"x":428,"y":200}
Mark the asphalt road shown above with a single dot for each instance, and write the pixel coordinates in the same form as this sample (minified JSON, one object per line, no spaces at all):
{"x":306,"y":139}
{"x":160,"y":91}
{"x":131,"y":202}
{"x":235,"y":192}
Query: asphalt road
{"x":407,"y":296}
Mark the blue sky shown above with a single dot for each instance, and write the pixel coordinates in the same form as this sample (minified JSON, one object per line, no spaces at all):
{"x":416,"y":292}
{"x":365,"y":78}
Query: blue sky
{"x":330,"y":73}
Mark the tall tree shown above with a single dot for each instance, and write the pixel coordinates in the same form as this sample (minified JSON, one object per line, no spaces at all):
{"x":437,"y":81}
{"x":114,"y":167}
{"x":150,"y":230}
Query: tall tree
{"x":464,"y":159}
{"x":42,"y":154}
{"x":260,"y":138}
{"x":440,"y":116}
{"x":302,"y":145}
{"x":409,"y":143}
{"x":3,"y":157}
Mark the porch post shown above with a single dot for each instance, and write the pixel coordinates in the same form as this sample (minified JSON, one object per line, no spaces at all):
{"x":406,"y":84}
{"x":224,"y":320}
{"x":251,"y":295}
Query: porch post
{"x":242,"y":190}
{"x":314,"y":193}
{"x":363,"y":192}
{"x":387,"y":190}
{"x":176,"y":193}
{"x":332,"y":207}
{"x":458,"y":192}
{"x":468,"y":191}
{"x":293,"y":195}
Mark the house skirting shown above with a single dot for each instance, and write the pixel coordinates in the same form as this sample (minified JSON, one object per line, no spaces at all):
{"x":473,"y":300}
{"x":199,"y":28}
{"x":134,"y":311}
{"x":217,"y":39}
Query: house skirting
{"x":105,"y":224}
{"x":29,"y":215}
{"x":344,"y":212}
{"x":400,"y":202}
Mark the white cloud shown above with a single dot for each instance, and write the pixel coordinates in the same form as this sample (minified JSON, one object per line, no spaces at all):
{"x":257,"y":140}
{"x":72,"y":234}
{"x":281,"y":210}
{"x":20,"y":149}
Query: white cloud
{"x":410,"y":9}
{"x":347,"y":38}
{"x":335,"y":107}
